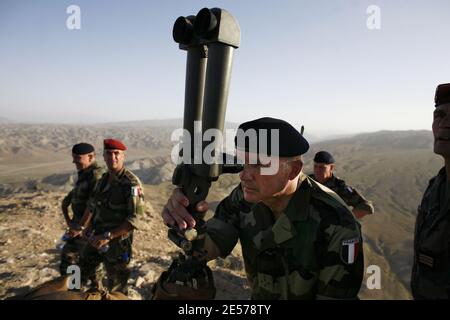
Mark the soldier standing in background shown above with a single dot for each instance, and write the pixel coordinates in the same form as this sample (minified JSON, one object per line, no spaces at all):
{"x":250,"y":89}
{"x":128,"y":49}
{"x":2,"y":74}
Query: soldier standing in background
{"x":323,"y":173}
{"x":431,"y":269}
{"x":89,"y":173}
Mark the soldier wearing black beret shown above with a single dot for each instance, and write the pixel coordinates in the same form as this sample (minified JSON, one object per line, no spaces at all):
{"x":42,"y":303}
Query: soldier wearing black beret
{"x":89,"y":173}
{"x":323,"y":173}
{"x":431,"y":269}
{"x":299,"y":240}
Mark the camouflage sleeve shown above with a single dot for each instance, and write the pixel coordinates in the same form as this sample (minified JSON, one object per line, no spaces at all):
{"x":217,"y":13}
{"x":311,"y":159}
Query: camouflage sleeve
{"x":90,"y":204}
{"x":353,"y":198}
{"x":223,"y":228}
{"x":96,"y":177}
{"x":67,"y":200}
{"x":341,"y":259}
{"x":135,"y":205}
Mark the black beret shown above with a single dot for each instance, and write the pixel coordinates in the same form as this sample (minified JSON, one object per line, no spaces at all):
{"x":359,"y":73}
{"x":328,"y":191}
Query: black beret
{"x":442,"y":94}
{"x":291,"y":143}
{"x":323,"y":157}
{"x":82,"y":148}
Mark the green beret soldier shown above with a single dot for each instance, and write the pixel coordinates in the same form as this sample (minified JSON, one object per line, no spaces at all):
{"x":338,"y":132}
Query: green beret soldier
{"x":112,"y":216}
{"x":323,"y":173}
{"x":299,"y":240}
{"x":431,"y":269}
{"x":89,"y":173}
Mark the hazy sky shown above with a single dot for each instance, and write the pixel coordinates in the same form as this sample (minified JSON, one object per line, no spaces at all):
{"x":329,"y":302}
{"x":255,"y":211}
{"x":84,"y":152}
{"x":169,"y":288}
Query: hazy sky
{"x":310,"y":62}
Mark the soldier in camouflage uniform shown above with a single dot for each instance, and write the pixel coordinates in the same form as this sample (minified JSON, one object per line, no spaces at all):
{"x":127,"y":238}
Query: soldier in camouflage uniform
{"x":431,"y":269}
{"x":112,"y":216}
{"x":299,"y":240}
{"x":89,"y":174}
{"x":323,"y":173}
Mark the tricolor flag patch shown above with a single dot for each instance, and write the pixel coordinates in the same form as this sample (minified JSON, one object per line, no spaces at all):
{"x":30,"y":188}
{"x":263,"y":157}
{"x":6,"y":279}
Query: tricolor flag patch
{"x":349,"y":250}
{"x":136,"y":191}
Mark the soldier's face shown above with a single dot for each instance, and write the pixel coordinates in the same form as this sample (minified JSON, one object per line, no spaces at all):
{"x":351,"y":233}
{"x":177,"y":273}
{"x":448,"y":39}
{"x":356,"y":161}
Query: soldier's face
{"x":323,"y":171}
{"x":114,"y":159}
{"x":258,"y":186}
{"x":82,"y":161}
{"x":441,"y":130}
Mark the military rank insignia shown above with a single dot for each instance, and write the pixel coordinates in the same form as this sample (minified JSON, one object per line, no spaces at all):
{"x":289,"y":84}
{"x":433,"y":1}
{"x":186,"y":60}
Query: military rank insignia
{"x":136,"y":191}
{"x":349,"y":250}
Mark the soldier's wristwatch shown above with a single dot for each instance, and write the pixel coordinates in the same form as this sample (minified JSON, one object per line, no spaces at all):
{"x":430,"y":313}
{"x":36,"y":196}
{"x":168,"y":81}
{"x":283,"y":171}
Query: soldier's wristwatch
{"x":107,"y":235}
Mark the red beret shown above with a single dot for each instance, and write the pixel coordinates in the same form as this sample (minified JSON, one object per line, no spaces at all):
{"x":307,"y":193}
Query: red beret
{"x":113,"y":144}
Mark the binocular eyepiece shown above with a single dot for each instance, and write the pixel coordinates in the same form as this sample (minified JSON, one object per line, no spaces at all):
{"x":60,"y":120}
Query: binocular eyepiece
{"x":209,"y":25}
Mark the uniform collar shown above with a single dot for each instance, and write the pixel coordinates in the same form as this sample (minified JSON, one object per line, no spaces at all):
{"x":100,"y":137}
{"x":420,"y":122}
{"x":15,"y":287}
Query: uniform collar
{"x":296,"y":211}
{"x":118,"y":175}
{"x":331,"y":181}
{"x":88,"y":170}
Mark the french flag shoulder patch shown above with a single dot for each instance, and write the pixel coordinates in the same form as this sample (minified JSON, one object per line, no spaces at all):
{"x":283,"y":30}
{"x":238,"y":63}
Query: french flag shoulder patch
{"x":349,"y":250}
{"x":136,"y":191}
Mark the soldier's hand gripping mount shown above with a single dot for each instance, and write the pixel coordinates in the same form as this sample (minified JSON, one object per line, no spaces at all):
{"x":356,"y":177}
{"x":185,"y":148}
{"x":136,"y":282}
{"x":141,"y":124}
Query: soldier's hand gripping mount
{"x":209,"y":39}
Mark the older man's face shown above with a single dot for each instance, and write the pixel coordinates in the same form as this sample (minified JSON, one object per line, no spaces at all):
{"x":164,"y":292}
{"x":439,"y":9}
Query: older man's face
{"x":259,"y":181}
{"x":323,"y":171}
{"x":83,"y":161}
{"x":441,"y":130}
{"x":114,"y":159}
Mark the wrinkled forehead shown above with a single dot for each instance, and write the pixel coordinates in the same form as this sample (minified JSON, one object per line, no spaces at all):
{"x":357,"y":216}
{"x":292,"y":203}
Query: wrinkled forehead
{"x":244,"y":157}
{"x":113,"y":151}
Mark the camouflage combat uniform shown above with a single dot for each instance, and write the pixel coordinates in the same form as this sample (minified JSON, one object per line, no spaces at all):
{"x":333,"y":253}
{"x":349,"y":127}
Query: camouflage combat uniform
{"x":350,"y":195}
{"x":113,"y":204}
{"x":311,"y":251}
{"x":431,"y":269}
{"x":77,"y":199}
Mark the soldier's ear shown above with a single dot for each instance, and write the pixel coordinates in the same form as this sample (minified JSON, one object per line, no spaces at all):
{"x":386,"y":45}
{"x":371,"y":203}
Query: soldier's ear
{"x":296,"y":168}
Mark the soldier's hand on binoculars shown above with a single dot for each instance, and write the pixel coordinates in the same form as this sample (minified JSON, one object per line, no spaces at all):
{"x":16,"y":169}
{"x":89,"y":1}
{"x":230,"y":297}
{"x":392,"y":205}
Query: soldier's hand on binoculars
{"x":175,"y":212}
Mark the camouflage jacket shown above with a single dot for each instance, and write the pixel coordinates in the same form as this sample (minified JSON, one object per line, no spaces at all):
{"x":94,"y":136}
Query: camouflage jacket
{"x":116,"y":202}
{"x":431,"y":269}
{"x":313,"y":250}
{"x":350,"y":195}
{"x":85,"y":185}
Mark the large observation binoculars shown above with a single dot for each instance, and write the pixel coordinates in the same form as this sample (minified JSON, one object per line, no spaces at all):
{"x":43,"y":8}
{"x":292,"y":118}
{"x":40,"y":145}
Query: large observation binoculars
{"x":209,"y":38}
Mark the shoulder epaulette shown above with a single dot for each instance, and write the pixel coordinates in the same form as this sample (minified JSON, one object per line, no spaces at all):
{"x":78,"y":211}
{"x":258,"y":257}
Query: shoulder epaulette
{"x":133,"y":179}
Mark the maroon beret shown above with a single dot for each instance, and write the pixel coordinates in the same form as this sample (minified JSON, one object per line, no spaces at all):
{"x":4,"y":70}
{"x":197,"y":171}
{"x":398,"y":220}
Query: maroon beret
{"x":442,"y":94}
{"x":113,"y":144}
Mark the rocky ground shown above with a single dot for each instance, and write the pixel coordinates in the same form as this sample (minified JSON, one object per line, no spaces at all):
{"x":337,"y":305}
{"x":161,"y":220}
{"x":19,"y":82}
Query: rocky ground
{"x":31,"y":226}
